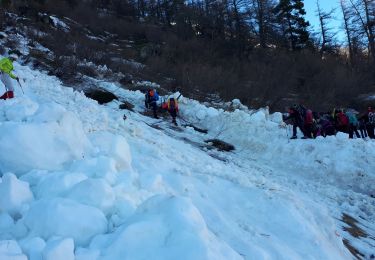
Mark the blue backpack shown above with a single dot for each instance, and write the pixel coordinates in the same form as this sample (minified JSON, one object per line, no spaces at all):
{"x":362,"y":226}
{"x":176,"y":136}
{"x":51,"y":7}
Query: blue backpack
{"x":352,"y":118}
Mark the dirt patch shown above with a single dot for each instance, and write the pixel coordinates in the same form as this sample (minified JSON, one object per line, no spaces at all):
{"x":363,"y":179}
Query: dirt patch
{"x":352,"y":249}
{"x":352,"y":227}
{"x":220,"y":145}
{"x":126,"y":105}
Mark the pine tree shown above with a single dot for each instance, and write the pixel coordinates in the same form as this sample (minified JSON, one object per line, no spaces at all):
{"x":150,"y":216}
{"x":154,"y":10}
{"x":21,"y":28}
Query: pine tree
{"x":290,"y":14}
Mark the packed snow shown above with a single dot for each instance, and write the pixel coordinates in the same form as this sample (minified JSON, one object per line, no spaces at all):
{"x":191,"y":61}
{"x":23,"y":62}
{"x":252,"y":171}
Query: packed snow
{"x":80,"y":182}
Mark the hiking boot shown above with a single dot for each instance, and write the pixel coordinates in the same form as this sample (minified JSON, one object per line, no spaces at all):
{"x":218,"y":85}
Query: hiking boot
{"x":294,"y":137}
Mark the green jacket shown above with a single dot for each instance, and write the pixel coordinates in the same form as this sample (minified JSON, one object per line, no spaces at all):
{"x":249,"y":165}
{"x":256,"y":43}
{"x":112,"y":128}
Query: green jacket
{"x":6,"y":66}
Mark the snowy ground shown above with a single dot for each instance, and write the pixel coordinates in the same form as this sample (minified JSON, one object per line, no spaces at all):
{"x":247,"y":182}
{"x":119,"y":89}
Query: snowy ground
{"x":79,"y":182}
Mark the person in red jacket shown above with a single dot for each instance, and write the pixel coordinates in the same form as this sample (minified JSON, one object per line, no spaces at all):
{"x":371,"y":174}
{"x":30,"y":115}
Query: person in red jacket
{"x":308,"y":124}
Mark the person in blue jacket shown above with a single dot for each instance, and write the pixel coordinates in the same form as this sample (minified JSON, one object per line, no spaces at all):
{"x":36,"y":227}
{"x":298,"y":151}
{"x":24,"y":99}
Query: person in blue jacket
{"x":151,"y":99}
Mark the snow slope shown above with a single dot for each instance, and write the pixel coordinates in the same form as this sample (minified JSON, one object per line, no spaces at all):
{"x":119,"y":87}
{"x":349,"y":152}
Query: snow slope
{"x":79,"y":182}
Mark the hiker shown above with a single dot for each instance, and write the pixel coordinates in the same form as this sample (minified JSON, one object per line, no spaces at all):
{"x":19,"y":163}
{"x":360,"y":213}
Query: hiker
{"x":342,"y":122}
{"x":172,"y":107}
{"x":370,"y":122}
{"x":362,"y":127}
{"x":353,"y":124}
{"x":151,"y":98}
{"x":308,"y":125}
{"x":326,"y":126}
{"x":6,"y":76}
{"x":297,"y":120}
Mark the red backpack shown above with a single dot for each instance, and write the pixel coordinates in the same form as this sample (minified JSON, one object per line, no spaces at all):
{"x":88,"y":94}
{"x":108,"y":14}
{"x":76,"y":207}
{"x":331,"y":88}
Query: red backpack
{"x":309,"y":119}
{"x":342,"y":119}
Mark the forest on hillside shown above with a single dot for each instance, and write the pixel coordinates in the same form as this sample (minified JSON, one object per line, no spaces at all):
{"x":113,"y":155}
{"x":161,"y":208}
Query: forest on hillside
{"x":260,"y":51}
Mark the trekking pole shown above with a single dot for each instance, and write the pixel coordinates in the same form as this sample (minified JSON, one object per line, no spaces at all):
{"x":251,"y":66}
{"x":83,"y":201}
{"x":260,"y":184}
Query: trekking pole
{"x":19,"y":83}
{"x":287,"y":132}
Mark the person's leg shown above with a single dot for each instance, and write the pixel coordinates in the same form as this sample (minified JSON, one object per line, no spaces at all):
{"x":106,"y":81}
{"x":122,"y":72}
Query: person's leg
{"x":154,"y":107}
{"x":356,"y":132}
{"x":361,"y":129}
{"x":294,"y":130}
{"x":370,"y":131}
{"x":174,"y":115}
{"x":309,"y":131}
{"x":351,"y":131}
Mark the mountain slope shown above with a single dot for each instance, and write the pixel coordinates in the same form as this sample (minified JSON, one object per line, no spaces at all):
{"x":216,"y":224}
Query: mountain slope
{"x":79,"y":181}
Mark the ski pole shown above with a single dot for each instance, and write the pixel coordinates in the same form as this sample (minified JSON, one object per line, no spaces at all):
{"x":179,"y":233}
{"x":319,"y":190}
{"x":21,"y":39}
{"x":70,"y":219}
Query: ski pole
{"x":20,"y":86}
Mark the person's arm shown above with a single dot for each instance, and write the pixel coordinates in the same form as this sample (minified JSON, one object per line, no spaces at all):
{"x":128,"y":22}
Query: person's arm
{"x":13,"y":76}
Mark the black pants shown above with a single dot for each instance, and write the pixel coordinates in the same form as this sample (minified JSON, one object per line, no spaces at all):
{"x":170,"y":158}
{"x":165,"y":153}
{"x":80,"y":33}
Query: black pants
{"x":352,"y":129}
{"x":370,"y":131}
{"x":173,"y":114}
{"x":153,"y":106}
{"x":308,"y":130}
{"x":363,"y":130}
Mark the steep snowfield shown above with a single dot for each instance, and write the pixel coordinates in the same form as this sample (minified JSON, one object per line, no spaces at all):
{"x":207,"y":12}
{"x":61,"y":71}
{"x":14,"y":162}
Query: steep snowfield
{"x":79,"y":182}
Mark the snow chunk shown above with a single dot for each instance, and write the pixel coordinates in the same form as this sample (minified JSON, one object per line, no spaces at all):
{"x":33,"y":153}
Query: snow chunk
{"x":98,"y":167}
{"x":86,"y":254}
{"x":41,"y":145}
{"x":57,"y":183}
{"x":14,"y":194}
{"x":6,"y":221}
{"x":113,"y":146}
{"x":33,"y":247}
{"x":6,"y":226}
{"x":94,"y":192}
{"x":10,"y":250}
{"x":66,"y":218}
{"x":59,"y":249}
{"x":173,"y":226}
{"x":49,"y":112}
{"x":19,"y":109}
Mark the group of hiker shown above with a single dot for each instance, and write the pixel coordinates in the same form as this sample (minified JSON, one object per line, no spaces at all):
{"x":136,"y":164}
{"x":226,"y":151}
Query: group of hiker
{"x":170,"y":105}
{"x":314,"y":124}
{"x":310,"y":123}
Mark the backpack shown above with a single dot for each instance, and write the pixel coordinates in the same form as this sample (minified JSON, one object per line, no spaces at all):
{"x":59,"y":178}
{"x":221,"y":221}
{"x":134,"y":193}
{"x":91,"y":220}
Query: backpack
{"x":342,"y":119}
{"x":352,"y":118}
{"x":172,"y":104}
{"x":309,"y":119}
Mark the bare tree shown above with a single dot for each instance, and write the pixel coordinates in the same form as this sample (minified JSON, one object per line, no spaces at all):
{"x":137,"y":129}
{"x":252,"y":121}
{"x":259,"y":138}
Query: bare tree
{"x":264,"y":17}
{"x":364,"y":11}
{"x":326,"y":32}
